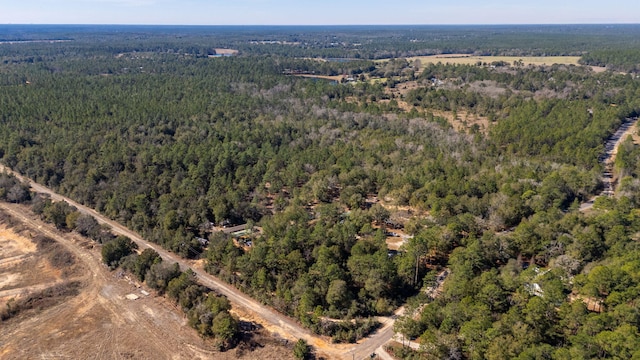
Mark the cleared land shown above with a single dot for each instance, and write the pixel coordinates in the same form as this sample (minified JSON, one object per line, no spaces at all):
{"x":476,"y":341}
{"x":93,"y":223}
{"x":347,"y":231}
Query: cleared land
{"x":227,"y":52}
{"x":472,"y":59}
{"x":78,"y":309}
{"x":337,"y":78}
{"x":20,"y":285}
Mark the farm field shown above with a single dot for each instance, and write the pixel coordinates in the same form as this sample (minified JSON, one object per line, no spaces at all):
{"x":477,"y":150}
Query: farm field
{"x":325,"y":77}
{"x":466,"y":59}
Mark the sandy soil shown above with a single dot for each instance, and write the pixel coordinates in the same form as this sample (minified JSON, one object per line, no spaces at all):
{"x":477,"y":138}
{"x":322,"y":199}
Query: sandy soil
{"x":226,"y":51}
{"x":18,"y":259}
{"x":99,"y":322}
{"x":395,"y":242}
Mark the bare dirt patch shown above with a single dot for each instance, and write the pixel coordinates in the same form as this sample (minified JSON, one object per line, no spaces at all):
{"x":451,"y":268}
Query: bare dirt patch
{"x":12,"y":244}
{"x":85,"y":313}
{"x":395,"y":243}
{"x":22,"y":270}
{"x":227,"y":52}
{"x":337,"y":78}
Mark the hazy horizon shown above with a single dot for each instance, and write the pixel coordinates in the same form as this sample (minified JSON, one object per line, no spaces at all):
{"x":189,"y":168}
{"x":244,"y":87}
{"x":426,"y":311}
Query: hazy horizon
{"x":320,"y":25}
{"x":328,"y":13}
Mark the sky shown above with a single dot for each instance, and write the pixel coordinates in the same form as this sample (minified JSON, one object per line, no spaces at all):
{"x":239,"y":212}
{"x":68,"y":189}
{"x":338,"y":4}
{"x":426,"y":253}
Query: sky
{"x":318,"y":12}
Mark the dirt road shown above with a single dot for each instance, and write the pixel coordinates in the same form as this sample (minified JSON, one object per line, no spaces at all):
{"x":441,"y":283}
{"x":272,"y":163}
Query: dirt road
{"x":375,"y":343}
{"x":100,"y":322}
{"x":609,"y":157}
{"x":275,"y":322}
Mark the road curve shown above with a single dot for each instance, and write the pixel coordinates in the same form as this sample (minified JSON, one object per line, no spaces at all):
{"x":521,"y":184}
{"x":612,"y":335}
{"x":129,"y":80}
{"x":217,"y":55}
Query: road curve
{"x":285,"y":326}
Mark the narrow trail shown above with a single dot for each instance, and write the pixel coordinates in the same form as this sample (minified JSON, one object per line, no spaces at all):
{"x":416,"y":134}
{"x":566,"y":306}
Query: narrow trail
{"x":280,"y":324}
{"x":608,"y":159}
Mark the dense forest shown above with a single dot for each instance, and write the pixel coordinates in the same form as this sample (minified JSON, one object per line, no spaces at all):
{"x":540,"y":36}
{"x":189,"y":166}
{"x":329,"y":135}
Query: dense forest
{"x":151,"y":131}
{"x":352,"y":42}
{"x":626,"y":60}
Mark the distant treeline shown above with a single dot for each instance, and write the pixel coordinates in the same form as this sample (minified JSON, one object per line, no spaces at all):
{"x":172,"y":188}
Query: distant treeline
{"x":363,"y":42}
{"x":627,"y":60}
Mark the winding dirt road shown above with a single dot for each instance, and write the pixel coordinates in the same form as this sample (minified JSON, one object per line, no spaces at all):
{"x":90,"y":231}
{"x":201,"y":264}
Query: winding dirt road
{"x":277,"y":323}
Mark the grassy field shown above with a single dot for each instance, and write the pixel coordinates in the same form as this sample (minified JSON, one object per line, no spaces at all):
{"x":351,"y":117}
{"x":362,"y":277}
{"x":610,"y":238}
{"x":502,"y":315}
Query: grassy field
{"x":472,"y":59}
